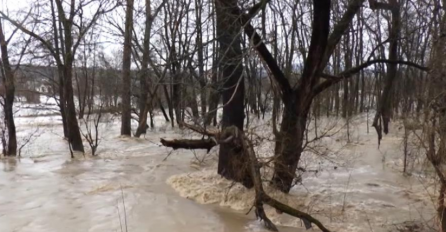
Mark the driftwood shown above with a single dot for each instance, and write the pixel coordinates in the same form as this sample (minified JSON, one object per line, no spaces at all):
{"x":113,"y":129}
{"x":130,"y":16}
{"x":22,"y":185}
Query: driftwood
{"x":234,"y":135}
{"x":207,"y":144}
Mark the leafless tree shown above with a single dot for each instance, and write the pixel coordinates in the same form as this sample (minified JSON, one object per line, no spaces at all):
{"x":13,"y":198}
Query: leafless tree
{"x":67,"y":30}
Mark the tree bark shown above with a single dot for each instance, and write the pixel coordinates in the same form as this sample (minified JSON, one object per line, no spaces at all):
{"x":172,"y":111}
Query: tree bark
{"x":58,"y":42}
{"x":144,"y":104}
{"x":74,"y":138}
{"x":289,"y":144}
{"x":126,"y":78}
{"x":231,"y":162}
{"x":8,"y":80}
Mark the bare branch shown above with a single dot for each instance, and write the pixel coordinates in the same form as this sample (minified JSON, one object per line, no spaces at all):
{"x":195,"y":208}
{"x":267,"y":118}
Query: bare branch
{"x":331,"y":80}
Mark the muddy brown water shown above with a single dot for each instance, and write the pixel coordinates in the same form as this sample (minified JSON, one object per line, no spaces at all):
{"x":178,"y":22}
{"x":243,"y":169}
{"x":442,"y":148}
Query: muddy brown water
{"x":46,"y":191}
{"x":49,"y":192}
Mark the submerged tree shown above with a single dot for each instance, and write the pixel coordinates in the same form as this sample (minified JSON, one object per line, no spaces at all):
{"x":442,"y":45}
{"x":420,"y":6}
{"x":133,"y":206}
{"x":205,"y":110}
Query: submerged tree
{"x":7,"y":78}
{"x":145,"y":100}
{"x":297,"y":100}
{"x":126,"y":102}
{"x":383,"y":113}
{"x":231,"y":161}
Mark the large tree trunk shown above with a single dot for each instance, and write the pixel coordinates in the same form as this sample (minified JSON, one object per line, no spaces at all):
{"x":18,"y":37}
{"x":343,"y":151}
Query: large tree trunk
{"x":144,"y":104}
{"x":231,"y":163}
{"x":200,"y":56}
{"x":126,"y":128}
{"x":289,"y":144}
{"x":298,"y":102}
{"x":75,"y":138}
{"x":8,"y":80}
{"x":346,"y":83}
{"x":74,"y":134}
{"x":58,"y":40}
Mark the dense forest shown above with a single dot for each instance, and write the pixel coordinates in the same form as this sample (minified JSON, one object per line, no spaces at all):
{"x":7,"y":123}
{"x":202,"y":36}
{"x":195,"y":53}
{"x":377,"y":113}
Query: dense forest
{"x":259,"y":85}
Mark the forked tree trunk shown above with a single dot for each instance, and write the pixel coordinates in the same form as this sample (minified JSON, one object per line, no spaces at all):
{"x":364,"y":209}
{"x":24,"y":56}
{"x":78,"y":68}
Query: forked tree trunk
{"x":74,"y":134}
{"x":145,"y":106}
{"x":289,"y":143}
{"x":384,"y":111}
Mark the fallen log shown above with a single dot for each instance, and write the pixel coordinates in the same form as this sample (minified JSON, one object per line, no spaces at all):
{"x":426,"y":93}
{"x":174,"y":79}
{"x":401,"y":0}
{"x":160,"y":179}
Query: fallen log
{"x":207,"y":144}
{"x":237,"y":138}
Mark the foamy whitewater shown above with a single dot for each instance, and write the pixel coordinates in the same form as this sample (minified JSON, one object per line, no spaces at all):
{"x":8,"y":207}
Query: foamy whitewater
{"x":349,"y":186}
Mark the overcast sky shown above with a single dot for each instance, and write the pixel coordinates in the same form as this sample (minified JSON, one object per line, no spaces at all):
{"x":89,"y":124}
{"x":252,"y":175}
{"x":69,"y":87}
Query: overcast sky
{"x":13,"y":5}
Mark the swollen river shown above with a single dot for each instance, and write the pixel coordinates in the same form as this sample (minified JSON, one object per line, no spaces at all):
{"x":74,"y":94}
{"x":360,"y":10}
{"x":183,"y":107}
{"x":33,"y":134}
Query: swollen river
{"x":125,"y":189}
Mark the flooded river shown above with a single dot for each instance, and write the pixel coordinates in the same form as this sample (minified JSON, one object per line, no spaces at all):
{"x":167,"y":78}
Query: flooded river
{"x":125,"y":189}
{"x":46,"y":191}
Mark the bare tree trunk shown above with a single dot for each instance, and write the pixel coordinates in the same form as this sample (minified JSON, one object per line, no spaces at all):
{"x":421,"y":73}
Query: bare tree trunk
{"x":289,"y":145}
{"x":231,"y":162}
{"x":346,"y":83}
{"x":384,"y":111}
{"x":144,"y":104}
{"x":126,"y":78}
{"x":8,"y":80}
{"x":298,"y":100}
{"x":169,"y":105}
{"x":74,"y":138}
{"x":72,"y":124}
{"x":200,"y":56}
{"x":58,"y":42}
